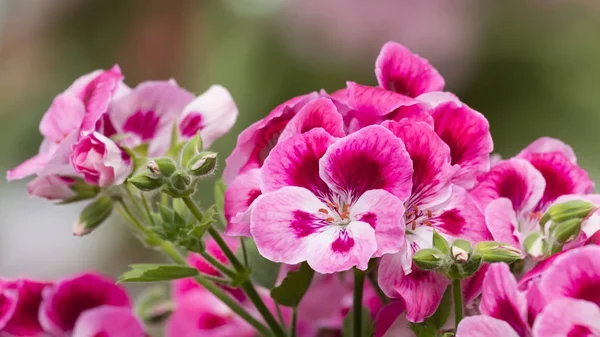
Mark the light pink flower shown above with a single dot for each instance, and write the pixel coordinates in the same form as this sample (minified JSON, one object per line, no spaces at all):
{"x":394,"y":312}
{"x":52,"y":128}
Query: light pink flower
{"x":74,"y":112}
{"x":19,"y":304}
{"x":108,"y":321}
{"x":51,"y":187}
{"x":484,"y":326}
{"x":65,"y":302}
{"x":101,"y":161}
{"x":568,"y":317}
{"x":435,"y":204}
{"x":334,"y":203}
{"x":516,"y":192}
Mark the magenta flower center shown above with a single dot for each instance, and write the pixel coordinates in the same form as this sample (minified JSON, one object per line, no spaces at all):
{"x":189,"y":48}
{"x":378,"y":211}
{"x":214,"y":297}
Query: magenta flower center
{"x":191,"y":124}
{"x":144,"y":124}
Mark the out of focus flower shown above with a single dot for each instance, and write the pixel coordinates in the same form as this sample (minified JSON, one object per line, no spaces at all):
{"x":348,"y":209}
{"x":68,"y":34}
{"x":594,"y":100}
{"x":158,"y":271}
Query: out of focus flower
{"x":110,"y":321}
{"x":52,"y":187}
{"x":19,"y":305}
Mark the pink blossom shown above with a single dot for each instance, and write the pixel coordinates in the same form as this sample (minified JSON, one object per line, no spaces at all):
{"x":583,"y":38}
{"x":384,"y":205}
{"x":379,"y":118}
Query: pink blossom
{"x":109,"y":321}
{"x":51,"y":187}
{"x":101,"y":161}
{"x":74,"y":112}
{"x":19,"y":304}
{"x":568,"y":317}
{"x":70,"y":298}
{"x":332,"y":202}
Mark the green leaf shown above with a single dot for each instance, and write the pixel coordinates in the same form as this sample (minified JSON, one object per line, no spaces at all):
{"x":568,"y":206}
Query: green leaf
{"x":294,"y":286}
{"x":443,"y":311}
{"x":367,"y":325}
{"x":262,"y":271}
{"x":156,"y":272}
{"x":440,"y":243}
{"x":220,"y":200}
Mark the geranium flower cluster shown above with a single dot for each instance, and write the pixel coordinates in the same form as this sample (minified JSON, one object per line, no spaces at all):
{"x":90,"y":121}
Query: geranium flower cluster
{"x":395,"y":184}
{"x":85,"y":305}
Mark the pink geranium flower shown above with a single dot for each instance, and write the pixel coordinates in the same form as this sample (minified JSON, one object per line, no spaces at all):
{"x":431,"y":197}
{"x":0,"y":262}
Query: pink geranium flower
{"x":108,"y":321}
{"x":19,"y":304}
{"x":333,"y":202}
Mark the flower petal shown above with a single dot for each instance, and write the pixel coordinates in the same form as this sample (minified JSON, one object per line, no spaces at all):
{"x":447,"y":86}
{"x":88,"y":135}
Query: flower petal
{"x":386,"y":325}
{"x":467,"y":133}
{"x":340,"y":248}
{"x":382,"y":211}
{"x":514,"y":179}
{"x":97,"y":95}
{"x":378,"y":102}
{"x":19,"y":305}
{"x":502,"y":222}
{"x":320,"y":113}
{"x":502,"y":300}
{"x":64,"y":116}
{"x":371,"y":158}
{"x":284,"y":222}
{"x":109,"y":321}
{"x":548,"y":144}
{"x":568,"y":317}
{"x":239,"y":196}
{"x":484,"y":326}
{"x":295,"y":162}
{"x":30,"y":166}
{"x":399,"y":70}
{"x":472,"y":286}
{"x":431,"y":163}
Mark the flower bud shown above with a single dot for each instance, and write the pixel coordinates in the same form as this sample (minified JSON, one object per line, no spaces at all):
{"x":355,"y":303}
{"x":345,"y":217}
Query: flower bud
{"x":163,"y":166}
{"x":146,"y":181}
{"x":191,"y":148}
{"x":460,"y":250}
{"x":203,"y":164}
{"x":565,"y":231}
{"x":181,"y":181}
{"x":573,"y":209}
{"x":93,"y":215}
{"x":429,"y":259}
{"x":535,"y":245}
{"x":492,"y":251}
{"x":440,"y":243}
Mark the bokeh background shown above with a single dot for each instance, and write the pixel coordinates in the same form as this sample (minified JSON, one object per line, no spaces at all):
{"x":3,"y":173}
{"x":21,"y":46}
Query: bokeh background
{"x":532,"y":67}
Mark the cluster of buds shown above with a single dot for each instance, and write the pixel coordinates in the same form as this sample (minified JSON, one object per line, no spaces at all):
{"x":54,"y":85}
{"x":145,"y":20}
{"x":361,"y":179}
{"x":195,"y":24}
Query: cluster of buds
{"x":174,"y":227}
{"x":561,"y":224}
{"x":460,"y":259}
{"x":177,"y":180}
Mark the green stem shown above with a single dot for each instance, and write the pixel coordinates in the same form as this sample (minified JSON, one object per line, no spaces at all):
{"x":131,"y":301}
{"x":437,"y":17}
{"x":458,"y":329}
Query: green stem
{"x":458,"y":301}
{"x":382,"y":297}
{"x":294,"y":322}
{"x":147,"y":208}
{"x":133,"y":220}
{"x":218,"y":265}
{"x":359,"y":282}
{"x":247,"y":286}
{"x":280,"y":314}
{"x":244,"y":251}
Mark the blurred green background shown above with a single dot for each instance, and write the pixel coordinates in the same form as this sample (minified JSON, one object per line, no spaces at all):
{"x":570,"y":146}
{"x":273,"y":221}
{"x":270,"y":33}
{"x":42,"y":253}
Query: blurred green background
{"x":532,"y":67}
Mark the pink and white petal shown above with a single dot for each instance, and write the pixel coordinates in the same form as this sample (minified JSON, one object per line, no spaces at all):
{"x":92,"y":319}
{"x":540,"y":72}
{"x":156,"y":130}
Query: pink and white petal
{"x":568,"y":317}
{"x":392,"y":268}
{"x":374,"y":101}
{"x":399,"y":70}
{"x":29,"y":167}
{"x":382,"y":211}
{"x":340,"y":248}
{"x":284,"y":222}
{"x":435,"y":98}
{"x":502,"y":222}
{"x":325,"y":314}
{"x":460,"y":217}
{"x":97,"y":95}
{"x":431,"y":163}
{"x":561,"y":175}
{"x":536,"y":302}
{"x":502,"y":300}
{"x":9,"y":298}
{"x":371,"y":158}
{"x":57,"y":313}
{"x":295,"y":162}
{"x":240,"y":194}
{"x":320,"y":113}
{"x":257,"y":140}
{"x":213,"y":113}
{"x":574,"y":274}
{"x":64,"y":116}
{"x":59,"y":162}
{"x":515,"y":179}
{"x":386,"y":321}
{"x":484,"y":326}
{"x":108,"y":321}
{"x":467,"y":133}
{"x":548,"y":144}
{"x":472,"y":286}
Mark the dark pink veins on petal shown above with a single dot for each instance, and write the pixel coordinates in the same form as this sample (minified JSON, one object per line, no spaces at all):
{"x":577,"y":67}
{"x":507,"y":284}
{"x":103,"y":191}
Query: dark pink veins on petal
{"x":370,"y":218}
{"x":191,"y":124}
{"x":305,"y":224}
{"x":451,"y":222}
{"x":343,"y":243}
{"x":142,"y":123}
{"x":580,"y":331}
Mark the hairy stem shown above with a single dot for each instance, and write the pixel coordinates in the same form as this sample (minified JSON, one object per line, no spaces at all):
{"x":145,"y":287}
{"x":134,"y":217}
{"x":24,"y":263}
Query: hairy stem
{"x":458,"y":301}
{"x":359,"y":282}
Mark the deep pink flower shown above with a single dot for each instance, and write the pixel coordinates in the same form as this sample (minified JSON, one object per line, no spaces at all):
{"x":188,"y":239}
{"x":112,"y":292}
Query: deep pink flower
{"x":51,"y":187}
{"x":101,"y":161}
{"x":65,"y":302}
{"x":74,"y":112}
{"x":19,"y":305}
{"x":568,"y":317}
{"x":108,"y":321}
{"x":333,"y":203}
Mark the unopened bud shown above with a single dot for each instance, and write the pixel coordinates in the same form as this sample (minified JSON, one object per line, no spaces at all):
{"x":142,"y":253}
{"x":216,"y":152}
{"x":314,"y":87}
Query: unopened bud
{"x":535,"y":245}
{"x":573,"y":209}
{"x":440,"y":242}
{"x":429,"y":259}
{"x":492,"y":251}
{"x":191,"y":148}
{"x":146,"y":181}
{"x":181,"y":181}
{"x":566,"y":231}
{"x":163,"y":166}
{"x":460,"y":250}
{"x":203,"y":164}
{"x":93,"y":215}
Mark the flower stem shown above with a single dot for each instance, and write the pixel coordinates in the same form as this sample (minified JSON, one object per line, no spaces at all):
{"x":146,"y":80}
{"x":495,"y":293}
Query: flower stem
{"x":359,"y":282}
{"x":218,"y":265}
{"x":458,"y":301}
{"x":294,"y":322}
{"x":247,"y":286}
